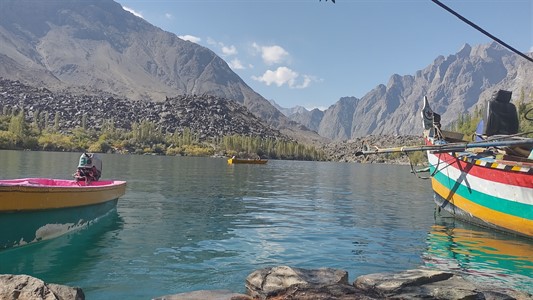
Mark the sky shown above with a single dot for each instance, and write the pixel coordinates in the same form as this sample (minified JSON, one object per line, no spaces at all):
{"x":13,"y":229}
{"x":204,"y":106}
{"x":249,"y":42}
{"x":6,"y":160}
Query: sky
{"x":311,"y":53}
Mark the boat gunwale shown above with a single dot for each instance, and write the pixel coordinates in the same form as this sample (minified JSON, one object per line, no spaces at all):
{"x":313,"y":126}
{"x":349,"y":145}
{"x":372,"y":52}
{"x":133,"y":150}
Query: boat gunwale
{"x":491,"y":163}
{"x":19,"y":198}
{"x":72,"y":184}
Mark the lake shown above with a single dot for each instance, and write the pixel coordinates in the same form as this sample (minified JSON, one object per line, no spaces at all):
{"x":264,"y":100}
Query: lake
{"x":190,"y":223}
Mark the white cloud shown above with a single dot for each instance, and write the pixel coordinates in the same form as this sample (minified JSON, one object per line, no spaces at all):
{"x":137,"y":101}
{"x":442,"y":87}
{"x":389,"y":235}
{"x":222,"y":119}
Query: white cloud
{"x":168,"y":16}
{"x":225,"y":50}
{"x":228,"y":50}
{"x":281,"y":76}
{"x":256,"y":47}
{"x":236,"y":64}
{"x":305,"y":83}
{"x":211,"y":41}
{"x":284,"y":75}
{"x":272,"y":54}
{"x":138,"y":14}
{"x":190,"y":38}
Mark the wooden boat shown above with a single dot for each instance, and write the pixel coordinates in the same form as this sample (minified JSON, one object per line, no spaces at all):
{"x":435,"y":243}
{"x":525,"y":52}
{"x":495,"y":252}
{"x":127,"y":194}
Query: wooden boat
{"x":234,"y":160}
{"x":481,"y":182}
{"x":37,"y":209}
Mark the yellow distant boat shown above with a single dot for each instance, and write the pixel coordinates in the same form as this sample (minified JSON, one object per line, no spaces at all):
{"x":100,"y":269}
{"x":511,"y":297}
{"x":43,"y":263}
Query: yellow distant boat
{"x":234,"y":160}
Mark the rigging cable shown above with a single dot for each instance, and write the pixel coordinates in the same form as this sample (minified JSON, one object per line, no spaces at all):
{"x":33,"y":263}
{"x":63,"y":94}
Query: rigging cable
{"x":482,"y":30}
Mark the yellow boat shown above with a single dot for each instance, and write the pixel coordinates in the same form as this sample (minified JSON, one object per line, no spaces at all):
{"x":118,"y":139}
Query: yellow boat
{"x":37,"y":209}
{"x":234,"y":160}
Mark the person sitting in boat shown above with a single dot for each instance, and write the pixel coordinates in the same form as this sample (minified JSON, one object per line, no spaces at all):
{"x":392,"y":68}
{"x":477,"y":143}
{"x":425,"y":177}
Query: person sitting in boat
{"x":89,"y":168}
{"x":501,"y":116}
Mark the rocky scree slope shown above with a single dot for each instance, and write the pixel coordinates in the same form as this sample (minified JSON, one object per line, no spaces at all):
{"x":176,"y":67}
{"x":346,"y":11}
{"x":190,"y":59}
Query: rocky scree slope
{"x":207,"y":116}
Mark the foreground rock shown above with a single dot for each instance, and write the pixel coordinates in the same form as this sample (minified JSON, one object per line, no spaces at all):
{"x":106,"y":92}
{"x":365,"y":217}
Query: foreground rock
{"x":430,"y":284}
{"x":24,"y":287}
{"x":292,"y":283}
{"x":284,"y":283}
{"x":206,"y":295}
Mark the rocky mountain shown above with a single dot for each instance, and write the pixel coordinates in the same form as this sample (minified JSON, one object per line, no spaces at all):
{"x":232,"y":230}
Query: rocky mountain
{"x":338,"y":119}
{"x":454,"y":85}
{"x":95,"y":45}
{"x":311,"y":119}
{"x":288,"y":111}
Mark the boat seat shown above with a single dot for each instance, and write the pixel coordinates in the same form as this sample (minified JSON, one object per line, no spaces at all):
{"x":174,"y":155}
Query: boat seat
{"x":501,"y":117}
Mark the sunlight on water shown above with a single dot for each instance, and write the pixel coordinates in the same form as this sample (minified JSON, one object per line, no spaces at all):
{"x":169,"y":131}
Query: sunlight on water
{"x":197,"y":223}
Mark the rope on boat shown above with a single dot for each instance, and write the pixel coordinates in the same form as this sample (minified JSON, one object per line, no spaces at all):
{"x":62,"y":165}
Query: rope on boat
{"x":415,"y":171}
{"x":481,"y":30}
{"x":527,"y":113}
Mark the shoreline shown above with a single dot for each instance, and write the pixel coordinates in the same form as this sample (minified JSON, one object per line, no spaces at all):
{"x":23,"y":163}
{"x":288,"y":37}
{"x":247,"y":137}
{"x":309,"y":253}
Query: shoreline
{"x":285,"y":282}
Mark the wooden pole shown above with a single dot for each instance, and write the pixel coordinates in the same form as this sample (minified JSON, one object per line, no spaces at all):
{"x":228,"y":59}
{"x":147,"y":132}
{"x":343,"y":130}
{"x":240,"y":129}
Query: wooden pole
{"x":452,"y":147}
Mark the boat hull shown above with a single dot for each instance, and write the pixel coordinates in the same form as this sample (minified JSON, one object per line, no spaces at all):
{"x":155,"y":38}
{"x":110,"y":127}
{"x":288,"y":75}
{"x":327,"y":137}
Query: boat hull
{"x":493,"y":195}
{"x":33,"y":210}
{"x":22,"y":228}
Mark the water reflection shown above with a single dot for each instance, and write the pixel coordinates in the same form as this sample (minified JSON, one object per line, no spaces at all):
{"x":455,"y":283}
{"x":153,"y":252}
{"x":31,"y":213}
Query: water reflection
{"x":62,"y":259}
{"x":197,"y":223}
{"x":480,"y":254}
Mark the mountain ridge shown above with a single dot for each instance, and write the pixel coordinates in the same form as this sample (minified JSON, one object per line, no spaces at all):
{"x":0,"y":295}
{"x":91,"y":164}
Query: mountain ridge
{"x":454,"y":85}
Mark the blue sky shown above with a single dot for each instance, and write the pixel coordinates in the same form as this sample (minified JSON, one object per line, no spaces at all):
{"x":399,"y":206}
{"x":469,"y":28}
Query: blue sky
{"x":311,"y":53}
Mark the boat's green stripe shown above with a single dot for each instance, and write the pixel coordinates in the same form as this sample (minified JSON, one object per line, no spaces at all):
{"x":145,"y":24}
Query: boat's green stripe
{"x":512,"y":208}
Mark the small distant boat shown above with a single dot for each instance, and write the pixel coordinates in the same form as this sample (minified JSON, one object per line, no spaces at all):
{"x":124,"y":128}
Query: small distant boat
{"x":37,"y":209}
{"x":234,"y":160}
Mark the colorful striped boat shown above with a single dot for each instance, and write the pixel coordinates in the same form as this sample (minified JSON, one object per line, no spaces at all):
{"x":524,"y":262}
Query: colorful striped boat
{"x":37,"y":209}
{"x":478,"y":184}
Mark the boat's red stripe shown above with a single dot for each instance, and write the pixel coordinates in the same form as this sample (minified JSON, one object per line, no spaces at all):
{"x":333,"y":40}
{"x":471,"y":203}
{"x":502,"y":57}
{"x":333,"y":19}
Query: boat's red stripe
{"x":491,"y":174}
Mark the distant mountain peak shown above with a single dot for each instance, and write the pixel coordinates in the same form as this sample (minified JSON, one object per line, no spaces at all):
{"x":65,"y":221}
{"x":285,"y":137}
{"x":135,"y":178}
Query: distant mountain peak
{"x":289,"y":111}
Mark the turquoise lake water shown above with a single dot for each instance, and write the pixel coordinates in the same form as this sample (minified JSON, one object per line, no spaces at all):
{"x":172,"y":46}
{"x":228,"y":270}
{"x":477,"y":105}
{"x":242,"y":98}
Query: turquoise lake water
{"x":187,"y":224}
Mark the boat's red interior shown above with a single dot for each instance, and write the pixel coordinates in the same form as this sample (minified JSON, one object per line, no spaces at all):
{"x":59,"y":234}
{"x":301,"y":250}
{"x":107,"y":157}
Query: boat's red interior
{"x":54,"y":182}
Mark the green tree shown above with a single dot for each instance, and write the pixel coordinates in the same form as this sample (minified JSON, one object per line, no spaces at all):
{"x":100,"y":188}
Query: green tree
{"x":55,"y":142}
{"x":17,"y":125}
{"x":56,"y":121}
{"x":7,"y":140}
